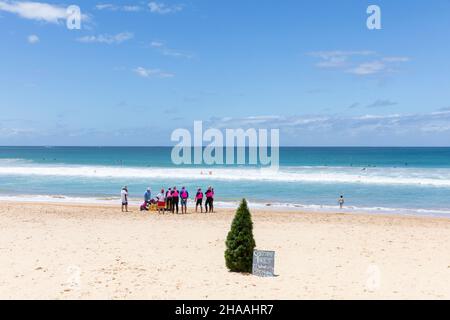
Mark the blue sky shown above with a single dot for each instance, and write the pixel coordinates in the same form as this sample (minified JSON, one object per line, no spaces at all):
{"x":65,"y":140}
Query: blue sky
{"x":139,"y":69}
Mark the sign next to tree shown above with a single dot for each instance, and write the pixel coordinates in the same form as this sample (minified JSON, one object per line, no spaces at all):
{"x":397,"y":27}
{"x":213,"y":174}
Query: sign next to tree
{"x":263,"y":263}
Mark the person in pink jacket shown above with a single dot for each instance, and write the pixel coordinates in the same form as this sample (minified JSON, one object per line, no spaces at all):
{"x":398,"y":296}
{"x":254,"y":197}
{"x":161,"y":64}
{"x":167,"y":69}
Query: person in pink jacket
{"x":199,"y":200}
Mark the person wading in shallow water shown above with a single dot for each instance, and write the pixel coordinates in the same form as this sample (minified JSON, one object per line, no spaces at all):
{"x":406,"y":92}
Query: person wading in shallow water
{"x":341,"y":201}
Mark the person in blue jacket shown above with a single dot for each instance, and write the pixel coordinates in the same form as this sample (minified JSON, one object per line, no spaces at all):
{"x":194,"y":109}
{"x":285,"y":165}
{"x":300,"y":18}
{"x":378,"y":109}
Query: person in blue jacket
{"x":148,"y":195}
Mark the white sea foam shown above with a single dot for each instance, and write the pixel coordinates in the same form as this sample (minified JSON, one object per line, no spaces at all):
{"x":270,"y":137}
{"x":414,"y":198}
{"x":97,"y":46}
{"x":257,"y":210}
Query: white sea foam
{"x":438,"y":177}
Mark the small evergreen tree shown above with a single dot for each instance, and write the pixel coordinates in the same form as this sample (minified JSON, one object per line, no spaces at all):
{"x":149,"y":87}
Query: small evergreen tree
{"x":240,"y":242}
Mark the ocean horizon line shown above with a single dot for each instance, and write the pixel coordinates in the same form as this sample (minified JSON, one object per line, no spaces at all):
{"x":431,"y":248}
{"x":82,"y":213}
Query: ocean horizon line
{"x":171,"y":146}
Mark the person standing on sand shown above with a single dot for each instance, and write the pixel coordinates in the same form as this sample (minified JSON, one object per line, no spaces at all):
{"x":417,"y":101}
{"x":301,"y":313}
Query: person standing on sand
{"x":208,"y":201}
{"x":147,"y":196}
{"x":341,"y":201}
{"x":175,"y":199}
{"x":184,"y":195}
{"x":169,"y":199}
{"x":124,"y":198}
{"x":211,"y":204}
{"x":199,"y":200}
{"x":161,"y":201}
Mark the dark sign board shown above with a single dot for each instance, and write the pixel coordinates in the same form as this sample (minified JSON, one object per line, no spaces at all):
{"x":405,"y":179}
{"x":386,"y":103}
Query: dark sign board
{"x":263,"y":263}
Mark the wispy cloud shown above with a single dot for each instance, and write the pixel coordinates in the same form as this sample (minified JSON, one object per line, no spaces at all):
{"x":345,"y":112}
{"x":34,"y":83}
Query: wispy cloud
{"x":33,"y":39}
{"x":337,"y":58}
{"x":106,"y":6}
{"x":367,"y":68}
{"x":38,"y":11}
{"x":354,"y":105}
{"x":152,"y":73}
{"x":396,"y":59}
{"x":107,"y":38}
{"x":355,"y":62}
{"x":153,"y":7}
{"x":131,"y":8}
{"x":435,"y":122}
{"x":380,"y":103}
{"x":161,"y":8}
{"x":114,"y":7}
{"x":383,"y":65}
{"x":166,"y":51}
{"x":12,"y":132}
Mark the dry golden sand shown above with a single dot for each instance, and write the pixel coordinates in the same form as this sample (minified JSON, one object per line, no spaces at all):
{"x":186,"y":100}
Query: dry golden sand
{"x":55,"y":251}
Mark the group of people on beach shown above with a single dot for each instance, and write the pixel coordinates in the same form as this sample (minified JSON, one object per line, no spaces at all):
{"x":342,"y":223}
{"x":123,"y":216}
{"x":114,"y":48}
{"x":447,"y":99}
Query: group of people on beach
{"x":171,"y":199}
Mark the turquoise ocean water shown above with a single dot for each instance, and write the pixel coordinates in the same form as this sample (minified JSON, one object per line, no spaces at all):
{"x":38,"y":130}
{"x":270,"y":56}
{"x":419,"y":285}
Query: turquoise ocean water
{"x":377,"y":180}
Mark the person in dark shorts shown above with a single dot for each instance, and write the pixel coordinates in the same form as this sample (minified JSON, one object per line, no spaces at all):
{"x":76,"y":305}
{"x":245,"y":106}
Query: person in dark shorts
{"x":199,"y":200}
{"x":169,"y":199}
{"x":341,"y":201}
{"x":124,"y":198}
{"x":175,"y":199}
{"x":208,"y":201}
{"x":212,"y":200}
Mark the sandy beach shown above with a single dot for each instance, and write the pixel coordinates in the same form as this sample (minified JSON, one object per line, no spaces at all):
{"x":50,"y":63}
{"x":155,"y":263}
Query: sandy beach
{"x":64,"y":251}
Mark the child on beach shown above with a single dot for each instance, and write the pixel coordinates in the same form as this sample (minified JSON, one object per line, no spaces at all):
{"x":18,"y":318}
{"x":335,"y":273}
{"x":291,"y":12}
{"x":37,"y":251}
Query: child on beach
{"x":124,"y":198}
{"x":175,"y":199}
{"x":184,"y":195}
{"x":199,"y":200}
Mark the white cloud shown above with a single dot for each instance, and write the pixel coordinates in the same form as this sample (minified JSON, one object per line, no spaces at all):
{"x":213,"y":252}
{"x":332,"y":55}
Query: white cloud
{"x":353,"y":61}
{"x":113,"y":7}
{"x":380,"y":103}
{"x":368,"y":68}
{"x":106,"y":6}
{"x":377,"y":66}
{"x":12,"y":132}
{"x":131,"y":8}
{"x":107,"y":38}
{"x":33,"y":39}
{"x":396,"y":59}
{"x":337,"y":58}
{"x":390,"y":124}
{"x":164,"y":50}
{"x":150,"y":73}
{"x":157,"y":44}
{"x":161,"y":8}
{"x":36,"y":11}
